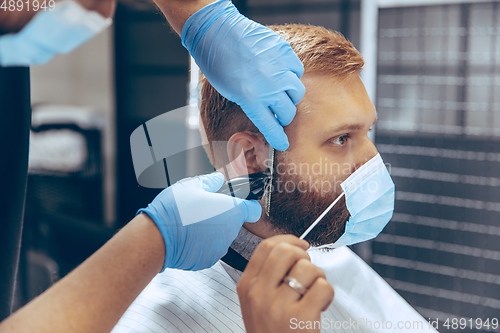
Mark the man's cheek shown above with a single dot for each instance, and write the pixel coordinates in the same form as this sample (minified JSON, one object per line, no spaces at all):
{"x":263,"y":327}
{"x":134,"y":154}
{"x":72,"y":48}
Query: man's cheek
{"x":347,"y":169}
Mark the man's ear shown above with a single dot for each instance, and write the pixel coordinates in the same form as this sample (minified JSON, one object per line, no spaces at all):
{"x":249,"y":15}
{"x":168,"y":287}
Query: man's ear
{"x":247,"y":153}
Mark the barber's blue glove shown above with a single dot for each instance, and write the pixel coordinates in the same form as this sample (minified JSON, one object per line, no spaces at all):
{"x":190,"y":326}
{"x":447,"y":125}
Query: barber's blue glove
{"x":198,"y":225}
{"x":248,"y":64}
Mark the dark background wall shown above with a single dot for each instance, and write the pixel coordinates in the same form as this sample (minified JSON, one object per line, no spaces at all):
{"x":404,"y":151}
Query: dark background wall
{"x":152,"y":73}
{"x":439,"y":128}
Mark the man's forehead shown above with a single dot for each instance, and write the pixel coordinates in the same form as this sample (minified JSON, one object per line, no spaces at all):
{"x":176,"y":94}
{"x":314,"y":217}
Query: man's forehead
{"x":330,"y":99}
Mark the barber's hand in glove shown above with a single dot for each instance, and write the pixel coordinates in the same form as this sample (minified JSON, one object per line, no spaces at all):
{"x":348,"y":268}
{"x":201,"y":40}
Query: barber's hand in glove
{"x":248,"y":64}
{"x":268,"y":303}
{"x":198,"y":225}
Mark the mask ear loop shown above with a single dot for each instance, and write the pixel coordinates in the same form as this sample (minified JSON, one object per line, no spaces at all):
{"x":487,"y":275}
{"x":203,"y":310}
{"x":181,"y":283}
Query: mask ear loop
{"x":269,"y":186}
{"x":321,"y":216}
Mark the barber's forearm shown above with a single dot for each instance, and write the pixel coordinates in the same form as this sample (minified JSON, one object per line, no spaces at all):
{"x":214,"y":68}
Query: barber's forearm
{"x":93,"y":297}
{"x":178,"y":11}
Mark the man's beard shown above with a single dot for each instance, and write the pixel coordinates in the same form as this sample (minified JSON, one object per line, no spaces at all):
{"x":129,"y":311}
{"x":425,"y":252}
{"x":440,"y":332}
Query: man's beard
{"x":293,"y":210}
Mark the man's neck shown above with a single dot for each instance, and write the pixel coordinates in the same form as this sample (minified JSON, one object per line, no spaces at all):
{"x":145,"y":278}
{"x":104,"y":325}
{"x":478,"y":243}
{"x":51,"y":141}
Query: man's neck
{"x":240,"y":252}
{"x":238,"y":255}
{"x":249,"y":237}
{"x":245,"y":243}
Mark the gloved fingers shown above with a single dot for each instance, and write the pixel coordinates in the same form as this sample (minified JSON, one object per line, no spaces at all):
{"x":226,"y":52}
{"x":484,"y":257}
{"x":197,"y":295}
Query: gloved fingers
{"x":268,"y":125}
{"x":237,"y":210}
{"x":212,"y":182}
{"x":291,"y":84}
{"x":253,"y":210}
{"x":297,"y":92}
{"x":294,"y":63}
{"x":284,"y":109}
{"x":196,"y":206}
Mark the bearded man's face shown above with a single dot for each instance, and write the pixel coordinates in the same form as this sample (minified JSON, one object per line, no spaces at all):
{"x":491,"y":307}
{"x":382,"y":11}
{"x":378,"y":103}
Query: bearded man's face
{"x":296,"y":202}
{"x":328,"y":142}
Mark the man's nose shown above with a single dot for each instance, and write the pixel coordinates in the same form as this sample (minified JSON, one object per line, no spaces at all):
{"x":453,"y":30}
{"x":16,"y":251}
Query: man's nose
{"x":366,"y":152}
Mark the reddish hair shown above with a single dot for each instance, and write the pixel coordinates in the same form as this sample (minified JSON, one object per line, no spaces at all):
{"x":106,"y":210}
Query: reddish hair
{"x":319,"y":49}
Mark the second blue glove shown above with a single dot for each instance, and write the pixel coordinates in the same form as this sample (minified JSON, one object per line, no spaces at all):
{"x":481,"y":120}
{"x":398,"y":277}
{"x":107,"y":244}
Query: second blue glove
{"x":198,"y":225}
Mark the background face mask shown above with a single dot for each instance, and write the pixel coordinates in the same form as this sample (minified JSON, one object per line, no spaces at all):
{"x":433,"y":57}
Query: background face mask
{"x":369,"y":196}
{"x":51,"y":32}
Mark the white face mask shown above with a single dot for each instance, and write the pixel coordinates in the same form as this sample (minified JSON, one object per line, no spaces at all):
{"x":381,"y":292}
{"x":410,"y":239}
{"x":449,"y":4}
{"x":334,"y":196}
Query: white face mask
{"x":49,"y":33}
{"x":369,"y":197}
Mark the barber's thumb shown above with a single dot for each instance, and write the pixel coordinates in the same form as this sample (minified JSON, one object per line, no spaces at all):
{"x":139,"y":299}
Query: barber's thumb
{"x":253,"y":208}
{"x":212,"y":182}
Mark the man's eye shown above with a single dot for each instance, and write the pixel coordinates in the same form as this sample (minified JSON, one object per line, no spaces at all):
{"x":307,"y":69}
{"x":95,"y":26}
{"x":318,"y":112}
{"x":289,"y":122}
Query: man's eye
{"x":341,"y":140}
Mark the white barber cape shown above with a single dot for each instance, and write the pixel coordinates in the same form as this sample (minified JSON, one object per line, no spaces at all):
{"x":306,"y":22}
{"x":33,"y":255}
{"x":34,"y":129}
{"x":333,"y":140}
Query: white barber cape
{"x":206,"y":301}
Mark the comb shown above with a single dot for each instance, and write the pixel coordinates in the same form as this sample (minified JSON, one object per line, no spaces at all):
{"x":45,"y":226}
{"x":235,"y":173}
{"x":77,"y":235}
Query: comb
{"x":269,"y":186}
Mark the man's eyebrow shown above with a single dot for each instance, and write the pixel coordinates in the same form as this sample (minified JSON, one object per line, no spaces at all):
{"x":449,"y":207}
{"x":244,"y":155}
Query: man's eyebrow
{"x":351,"y":126}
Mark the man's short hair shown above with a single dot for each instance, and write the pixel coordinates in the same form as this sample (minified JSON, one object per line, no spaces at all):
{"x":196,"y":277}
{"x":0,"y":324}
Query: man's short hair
{"x":319,"y":49}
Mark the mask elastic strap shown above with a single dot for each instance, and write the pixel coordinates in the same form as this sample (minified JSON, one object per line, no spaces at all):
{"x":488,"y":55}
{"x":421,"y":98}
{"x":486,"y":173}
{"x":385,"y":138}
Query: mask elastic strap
{"x":321,"y":216}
